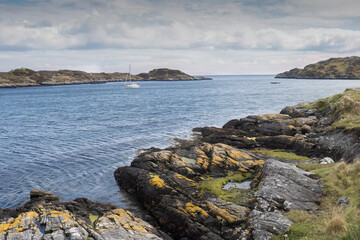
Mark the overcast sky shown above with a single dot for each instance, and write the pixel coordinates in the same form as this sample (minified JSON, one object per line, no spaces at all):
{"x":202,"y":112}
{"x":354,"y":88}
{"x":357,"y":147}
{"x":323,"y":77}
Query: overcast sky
{"x":196,"y":36}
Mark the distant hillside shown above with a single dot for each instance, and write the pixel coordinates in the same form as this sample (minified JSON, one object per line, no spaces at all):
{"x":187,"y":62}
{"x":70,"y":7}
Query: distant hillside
{"x":168,"y":75}
{"x":26,"y":77}
{"x":333,"y":68}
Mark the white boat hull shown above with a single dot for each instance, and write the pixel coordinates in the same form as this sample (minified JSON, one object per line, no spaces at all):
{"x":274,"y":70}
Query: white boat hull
{"x":134,"y":85}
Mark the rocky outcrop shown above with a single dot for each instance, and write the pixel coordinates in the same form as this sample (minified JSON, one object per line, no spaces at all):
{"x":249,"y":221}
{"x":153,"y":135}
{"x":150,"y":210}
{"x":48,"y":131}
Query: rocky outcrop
{"x":303,"y":130}
{"x":333,"y":68}
{"x":170,"y":185}
{"x":44,"y":217}
{"x":167,"y":185}
{"x":285,"y":187}
{"x":24,"y":77}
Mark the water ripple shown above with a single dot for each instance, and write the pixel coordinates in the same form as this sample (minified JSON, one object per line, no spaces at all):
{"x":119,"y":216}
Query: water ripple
{"x":70,"y":139}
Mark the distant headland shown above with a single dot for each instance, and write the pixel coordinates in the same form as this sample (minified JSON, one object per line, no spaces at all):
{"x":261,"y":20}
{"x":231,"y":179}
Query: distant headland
{"x":333,"y":68}
{"x":24,"y":77}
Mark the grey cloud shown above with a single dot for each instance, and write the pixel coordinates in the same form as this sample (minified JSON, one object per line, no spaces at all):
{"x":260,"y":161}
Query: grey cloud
{"x":182,"y":26}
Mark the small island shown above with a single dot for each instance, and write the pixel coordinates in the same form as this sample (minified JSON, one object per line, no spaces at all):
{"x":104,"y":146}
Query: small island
{"x":333,"y":68}
{"x":24,"y":77}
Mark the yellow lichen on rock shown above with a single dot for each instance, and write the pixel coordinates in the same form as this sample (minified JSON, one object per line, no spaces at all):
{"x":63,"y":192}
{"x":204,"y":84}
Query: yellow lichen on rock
{"x":19,"y":224}
{"x":121,"y":218}
{"x":221,"y":213}
{"x":192,"y":182}
{"x":195,"y":211}
{"x":220,"y":155}
{"x":253,"y":163}
{"x":237,"y":154}
{"x":158,"y":182}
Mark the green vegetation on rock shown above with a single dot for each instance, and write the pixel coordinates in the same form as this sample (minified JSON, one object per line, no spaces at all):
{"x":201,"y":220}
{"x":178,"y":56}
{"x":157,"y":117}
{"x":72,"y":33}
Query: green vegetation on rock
{"x":279,"y":153}
{"x":333,"y":68}
{"x":343,"y":109}
{"x":333,"y":221}
{"x":93,"y":218}
{"x":215,"y":186}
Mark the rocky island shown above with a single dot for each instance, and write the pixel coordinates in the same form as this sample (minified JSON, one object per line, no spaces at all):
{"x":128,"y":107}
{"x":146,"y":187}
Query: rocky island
{"x":333,"y":68}
{"x":292,"y":175}
{"x":24,"y":77}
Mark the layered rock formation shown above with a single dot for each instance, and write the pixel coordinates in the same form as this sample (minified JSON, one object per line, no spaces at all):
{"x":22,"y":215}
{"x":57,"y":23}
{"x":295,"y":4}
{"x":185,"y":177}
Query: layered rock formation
{"x":179,"y":187}
{"x":45,"y":217}
{"x":333,"y":68}
{"x":325,"y":128}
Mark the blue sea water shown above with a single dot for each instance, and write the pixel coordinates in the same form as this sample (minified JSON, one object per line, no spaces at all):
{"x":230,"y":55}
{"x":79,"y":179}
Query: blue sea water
{"x":70,"y":139}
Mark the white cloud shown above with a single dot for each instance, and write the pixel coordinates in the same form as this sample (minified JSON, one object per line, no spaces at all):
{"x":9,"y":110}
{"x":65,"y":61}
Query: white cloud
{"x":185,"y":32}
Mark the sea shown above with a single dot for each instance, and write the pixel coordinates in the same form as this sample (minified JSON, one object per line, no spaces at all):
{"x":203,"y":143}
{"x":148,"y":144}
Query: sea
{"x":70,"y":139}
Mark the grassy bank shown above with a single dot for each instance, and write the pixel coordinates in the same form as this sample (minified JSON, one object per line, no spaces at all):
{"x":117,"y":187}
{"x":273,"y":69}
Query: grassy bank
{"x":333,"y":221}
{"x":343,"y":109}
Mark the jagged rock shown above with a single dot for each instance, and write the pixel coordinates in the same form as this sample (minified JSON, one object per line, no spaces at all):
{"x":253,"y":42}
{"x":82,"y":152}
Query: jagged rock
{"x":298,"y":111}
{"x":265,"y":224}
{"x":339,"y":145}
{"x":121,"y":224}
{"x":43,"y":219}
{"x":286,"y":187}
{"x":166,"y":185}
{"x":266,"y":125}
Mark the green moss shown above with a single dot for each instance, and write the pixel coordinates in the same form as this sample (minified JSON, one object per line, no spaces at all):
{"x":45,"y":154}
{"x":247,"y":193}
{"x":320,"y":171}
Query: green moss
{"x":215,"y":185}
{"x":152,"y":174}
{"x":93,"y":218}
{"x":279,"y":153}
{"x":339,"y":180}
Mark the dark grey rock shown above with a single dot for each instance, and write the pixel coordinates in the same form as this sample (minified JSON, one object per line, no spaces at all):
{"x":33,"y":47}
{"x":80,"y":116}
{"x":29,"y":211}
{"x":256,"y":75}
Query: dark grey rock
{"x":343,"y":201}
{"x":286,"y":187}
{"x":265,"y":224}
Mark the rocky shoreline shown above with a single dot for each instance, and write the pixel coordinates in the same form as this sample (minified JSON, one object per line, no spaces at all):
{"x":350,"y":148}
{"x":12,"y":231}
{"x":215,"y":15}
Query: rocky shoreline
{"x":28,"y":78}
{"x":184,"y":188}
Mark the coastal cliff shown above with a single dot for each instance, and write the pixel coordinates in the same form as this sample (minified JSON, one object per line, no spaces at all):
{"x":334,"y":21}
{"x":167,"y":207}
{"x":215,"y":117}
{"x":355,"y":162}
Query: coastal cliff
{"x":333,"y":68}
{"x":24,"y":77}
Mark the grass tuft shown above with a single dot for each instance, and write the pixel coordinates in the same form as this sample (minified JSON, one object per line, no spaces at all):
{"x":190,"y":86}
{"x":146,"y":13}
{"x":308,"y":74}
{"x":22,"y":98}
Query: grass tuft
{"x":336,"y":225}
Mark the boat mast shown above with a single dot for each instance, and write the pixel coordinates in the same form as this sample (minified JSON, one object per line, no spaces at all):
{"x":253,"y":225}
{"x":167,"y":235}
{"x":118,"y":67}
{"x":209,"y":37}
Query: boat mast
{"x":130,"y":72}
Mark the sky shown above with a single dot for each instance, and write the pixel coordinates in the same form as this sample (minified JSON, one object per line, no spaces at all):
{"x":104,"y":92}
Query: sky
{"x":195,"y":36}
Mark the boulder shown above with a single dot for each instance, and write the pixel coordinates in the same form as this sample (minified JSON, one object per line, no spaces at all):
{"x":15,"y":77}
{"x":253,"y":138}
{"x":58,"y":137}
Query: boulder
{"x":326,"y":160}
{"x":265,"y":224}
{"x":284,"y":187}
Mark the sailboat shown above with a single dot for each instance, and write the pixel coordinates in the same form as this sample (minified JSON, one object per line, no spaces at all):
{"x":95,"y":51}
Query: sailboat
{"x":129,"y":84}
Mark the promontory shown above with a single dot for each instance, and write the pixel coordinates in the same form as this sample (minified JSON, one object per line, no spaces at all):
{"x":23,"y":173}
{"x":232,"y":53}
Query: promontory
{"x":24,"y":77}
{"x":333,"y":68}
